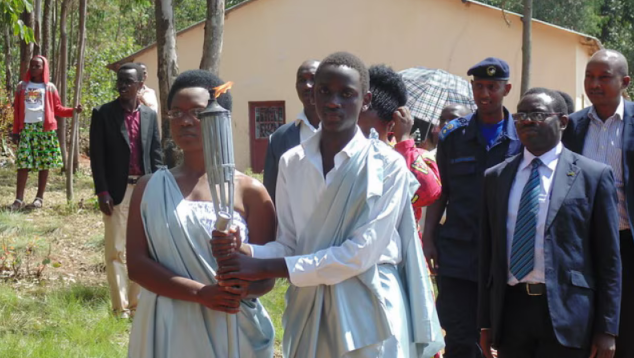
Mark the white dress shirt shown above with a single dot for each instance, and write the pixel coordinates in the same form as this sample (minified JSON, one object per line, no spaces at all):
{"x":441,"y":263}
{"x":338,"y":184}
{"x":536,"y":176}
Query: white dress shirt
{"x":604,"y":144}
{"x":306,"y":130}
{"x":546,"y":175}
{"x":147,"y":96}
{"x":300,"y":186}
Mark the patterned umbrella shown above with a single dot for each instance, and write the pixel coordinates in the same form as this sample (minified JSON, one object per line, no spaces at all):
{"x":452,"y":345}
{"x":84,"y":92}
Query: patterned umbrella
{"x":431,"y":90}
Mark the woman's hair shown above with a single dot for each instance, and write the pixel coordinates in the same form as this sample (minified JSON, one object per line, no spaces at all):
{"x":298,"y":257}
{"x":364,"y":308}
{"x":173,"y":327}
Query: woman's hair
{"x":388,"y":91}
{"x":199,"y":78}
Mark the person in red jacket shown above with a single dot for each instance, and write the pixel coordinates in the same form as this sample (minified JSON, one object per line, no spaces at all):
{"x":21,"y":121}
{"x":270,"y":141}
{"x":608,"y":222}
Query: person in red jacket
{"x":392,"y":121}
{"x":34,"y":128}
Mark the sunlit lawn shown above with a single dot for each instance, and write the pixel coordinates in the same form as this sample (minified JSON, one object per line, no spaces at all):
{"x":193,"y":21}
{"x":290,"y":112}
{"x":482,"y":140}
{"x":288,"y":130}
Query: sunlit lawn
{"x":64,"y":311}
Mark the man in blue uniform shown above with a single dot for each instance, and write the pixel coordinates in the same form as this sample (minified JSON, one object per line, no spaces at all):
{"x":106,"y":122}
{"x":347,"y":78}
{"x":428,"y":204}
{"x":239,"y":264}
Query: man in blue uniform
{"x":467,"y":147}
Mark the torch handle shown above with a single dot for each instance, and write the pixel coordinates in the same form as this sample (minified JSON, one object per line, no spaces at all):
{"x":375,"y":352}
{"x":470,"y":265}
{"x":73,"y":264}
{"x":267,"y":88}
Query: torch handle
{"x":222,"y":221}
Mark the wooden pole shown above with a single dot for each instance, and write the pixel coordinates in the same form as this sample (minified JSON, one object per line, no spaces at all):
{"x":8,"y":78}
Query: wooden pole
{"x":527,"y":46}
{"x":79,"y":73}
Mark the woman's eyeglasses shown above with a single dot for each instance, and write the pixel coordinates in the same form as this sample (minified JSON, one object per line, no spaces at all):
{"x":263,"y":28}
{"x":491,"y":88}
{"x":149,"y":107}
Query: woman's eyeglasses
{"x":534,"y":116}
{"x":179,"y":114}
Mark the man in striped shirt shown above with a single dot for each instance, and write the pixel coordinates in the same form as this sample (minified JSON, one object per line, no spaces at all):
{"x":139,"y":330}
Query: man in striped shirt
{"x":605,"y":132}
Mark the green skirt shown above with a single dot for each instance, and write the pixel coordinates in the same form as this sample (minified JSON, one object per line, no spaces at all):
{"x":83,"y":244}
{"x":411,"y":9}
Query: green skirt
{"x":38,"y":150}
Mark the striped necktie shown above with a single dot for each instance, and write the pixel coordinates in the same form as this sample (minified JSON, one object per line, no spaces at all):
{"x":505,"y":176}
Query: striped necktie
{"x":523,"y":248}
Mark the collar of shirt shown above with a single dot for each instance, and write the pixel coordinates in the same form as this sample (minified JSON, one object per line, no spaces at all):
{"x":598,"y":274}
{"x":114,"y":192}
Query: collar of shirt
{"x":302,"y":118}
{"x":508,"y":130}
{"x":136,"y":109}
{"x":549,"y":159}
{"x":620,"y":110}
{"x":313,"y":153}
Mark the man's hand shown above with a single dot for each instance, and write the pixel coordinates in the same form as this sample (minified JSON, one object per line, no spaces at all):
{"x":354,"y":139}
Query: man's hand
{"x":224,"y":245}
{"x":603,"y":346}
{"x":106,"y":204}
{"x":403,"y":123}
{"x":485,"y":343}
{"x":242,"y":267}
{"x":224,"y":299}
{"x":15,"y":137}
{"x":429,"y":249}
{"x":79,"y":108}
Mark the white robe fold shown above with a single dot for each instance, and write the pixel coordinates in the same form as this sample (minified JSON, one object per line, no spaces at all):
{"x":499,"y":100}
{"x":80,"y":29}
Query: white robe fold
{"x":168,"y":328}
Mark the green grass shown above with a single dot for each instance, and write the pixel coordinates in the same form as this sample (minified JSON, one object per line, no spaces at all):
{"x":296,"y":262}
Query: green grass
{"x":14,"y":225}
{"x":275,"y":304}
{"x":66,"y":312}
{"x":72,"y":321}
{"x":75,"y":321}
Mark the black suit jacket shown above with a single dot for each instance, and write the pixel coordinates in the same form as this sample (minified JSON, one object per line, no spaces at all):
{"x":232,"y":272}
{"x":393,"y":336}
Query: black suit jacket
{"x":110,"y":148}
{"x":575,"y":136}
{"x":581,"y":249}
{"x":283,"y":139}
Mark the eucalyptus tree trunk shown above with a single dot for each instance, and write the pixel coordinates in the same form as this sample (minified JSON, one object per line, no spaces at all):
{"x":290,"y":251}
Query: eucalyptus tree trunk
{"x":62,"y":77}
{"x":46,"y":28}
{"x":214,"y":30}
{"x":26,"y":49}
{"x":74,"y":142}
{"x":8,"y":72}
{"x":37,"y":28}
{"x":167,"y":70}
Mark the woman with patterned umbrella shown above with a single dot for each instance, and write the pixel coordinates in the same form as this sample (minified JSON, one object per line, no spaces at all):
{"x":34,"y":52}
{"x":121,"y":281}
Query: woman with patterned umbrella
{"x":431,"y":90}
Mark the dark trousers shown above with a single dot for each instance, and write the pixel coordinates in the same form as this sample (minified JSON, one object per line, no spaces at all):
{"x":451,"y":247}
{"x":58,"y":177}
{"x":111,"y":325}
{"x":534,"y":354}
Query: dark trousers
{"x":527,"y":330}
{"x":458,"y":314}
{"x":625,"y":339}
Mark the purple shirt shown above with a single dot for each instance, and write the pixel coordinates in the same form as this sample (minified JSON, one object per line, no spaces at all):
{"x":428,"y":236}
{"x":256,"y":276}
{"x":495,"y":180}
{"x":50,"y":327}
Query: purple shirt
{"x":133,"y":125}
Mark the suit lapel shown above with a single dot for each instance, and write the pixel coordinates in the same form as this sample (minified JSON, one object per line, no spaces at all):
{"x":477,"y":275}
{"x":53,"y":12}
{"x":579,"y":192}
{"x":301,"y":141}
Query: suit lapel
{"x":144,"y":127}
{"x":582,"y":131}
{"x":293,"y":138}
{"x":566,"y":173}
{"x":121,"y":118}
{"x":505,"y":182}
{"x":627,"y":139}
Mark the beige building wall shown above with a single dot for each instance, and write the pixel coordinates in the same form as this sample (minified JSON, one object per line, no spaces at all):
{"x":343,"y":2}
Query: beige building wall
{"x":266,"y":40}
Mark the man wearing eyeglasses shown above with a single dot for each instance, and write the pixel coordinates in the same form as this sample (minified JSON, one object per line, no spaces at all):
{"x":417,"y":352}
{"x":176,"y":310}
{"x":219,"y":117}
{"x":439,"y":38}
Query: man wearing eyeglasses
{"x":124,"y":145}
{"x":605,"y":132}
{"x":467,"y":147}
{"x":550,"y":270}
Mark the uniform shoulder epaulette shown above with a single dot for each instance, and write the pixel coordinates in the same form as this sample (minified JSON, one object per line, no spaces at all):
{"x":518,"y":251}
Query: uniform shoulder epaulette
{"x":452,"y":126}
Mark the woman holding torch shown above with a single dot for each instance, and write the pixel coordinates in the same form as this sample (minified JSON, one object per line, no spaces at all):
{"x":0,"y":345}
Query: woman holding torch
{"x":182,"y":311}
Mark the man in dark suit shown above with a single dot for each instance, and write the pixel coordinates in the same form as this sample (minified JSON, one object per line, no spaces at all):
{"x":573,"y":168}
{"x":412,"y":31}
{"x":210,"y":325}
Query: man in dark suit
{"x":550,"y":270}
{"x":293,"y":133}
{"x":124,"y":145}
{"x":605,"y":132}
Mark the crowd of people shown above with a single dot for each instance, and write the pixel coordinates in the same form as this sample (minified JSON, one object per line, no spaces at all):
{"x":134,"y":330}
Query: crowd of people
{"x":525,"y":219}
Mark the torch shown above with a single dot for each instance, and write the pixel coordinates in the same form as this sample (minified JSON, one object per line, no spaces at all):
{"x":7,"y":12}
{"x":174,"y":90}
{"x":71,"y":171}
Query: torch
{"x":215,"y":122}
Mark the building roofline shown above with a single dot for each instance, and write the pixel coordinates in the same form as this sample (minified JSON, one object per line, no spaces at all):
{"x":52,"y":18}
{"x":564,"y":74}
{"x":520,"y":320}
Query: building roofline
{"x":593,"y":43}
{"x":113,"y":66}
{"x":590,"y":41}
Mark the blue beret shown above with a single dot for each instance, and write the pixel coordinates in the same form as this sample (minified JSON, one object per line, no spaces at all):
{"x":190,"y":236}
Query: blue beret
{"x":491,"y":68}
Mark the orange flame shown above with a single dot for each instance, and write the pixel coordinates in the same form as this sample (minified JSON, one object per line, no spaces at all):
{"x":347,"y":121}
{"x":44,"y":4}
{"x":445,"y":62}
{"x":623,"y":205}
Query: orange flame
{"x":222,"y":89}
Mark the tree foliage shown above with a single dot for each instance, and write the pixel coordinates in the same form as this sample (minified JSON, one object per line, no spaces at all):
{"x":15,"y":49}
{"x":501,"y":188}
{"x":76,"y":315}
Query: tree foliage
{"x":10,"y":11}
{"x":115,"y":29}
{"x":611,"y":21}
